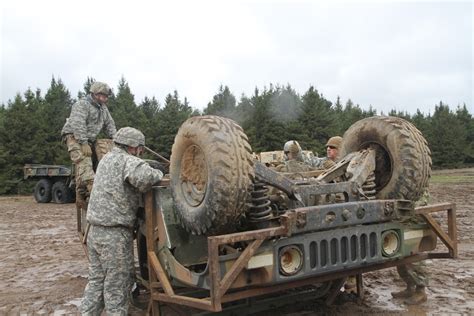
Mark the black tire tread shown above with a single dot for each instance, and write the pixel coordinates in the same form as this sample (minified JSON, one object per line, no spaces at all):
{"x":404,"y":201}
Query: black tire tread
{"x":43,"y":184}
{"x":67,"y":195}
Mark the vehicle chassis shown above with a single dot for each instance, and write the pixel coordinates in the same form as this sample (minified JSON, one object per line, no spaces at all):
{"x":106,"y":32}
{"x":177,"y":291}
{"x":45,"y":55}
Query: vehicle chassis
{"x":162,"y":290}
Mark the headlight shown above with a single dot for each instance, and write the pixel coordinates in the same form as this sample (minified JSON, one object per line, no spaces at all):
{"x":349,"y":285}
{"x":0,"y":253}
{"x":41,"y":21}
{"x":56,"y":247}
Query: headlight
{"x":291,"y":260}
{"x":390,"y":243}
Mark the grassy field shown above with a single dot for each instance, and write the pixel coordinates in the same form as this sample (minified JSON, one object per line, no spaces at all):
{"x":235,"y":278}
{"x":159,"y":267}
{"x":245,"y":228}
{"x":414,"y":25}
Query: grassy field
{"x":453,"y":176}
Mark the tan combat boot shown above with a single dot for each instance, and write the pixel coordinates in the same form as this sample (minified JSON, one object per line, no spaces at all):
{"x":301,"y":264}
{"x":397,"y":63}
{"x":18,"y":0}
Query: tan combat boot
{"x":418,"y":297}
{"x":405,"y":293}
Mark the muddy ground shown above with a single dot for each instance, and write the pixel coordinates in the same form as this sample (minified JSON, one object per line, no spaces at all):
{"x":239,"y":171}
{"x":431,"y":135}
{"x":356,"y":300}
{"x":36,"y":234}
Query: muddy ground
{"x":43,"y":269}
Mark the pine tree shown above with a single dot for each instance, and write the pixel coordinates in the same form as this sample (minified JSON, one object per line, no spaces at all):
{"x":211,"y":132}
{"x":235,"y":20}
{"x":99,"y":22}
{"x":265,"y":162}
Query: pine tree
{"x":223,"y":104}
{"x":447,"y":138}
{"x":170,"y":118}
{"x":467,"y":122}
{"x":21,"y":142}
{"x":265,"y":132}
{"x":150,"y":109}
{"x":123,"y":109}
{"x":317,"y":119}
{"x":56,"y":108}
{"x":86,"y":88}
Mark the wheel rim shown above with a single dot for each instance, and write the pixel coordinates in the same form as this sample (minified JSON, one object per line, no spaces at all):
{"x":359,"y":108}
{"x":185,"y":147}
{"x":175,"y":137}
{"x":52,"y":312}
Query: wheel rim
{"x":193,"y":177}
{"x":42,"y":191}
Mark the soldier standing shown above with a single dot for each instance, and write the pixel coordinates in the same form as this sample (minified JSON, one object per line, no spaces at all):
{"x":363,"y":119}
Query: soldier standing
{"x":414,"y":274}
{"x":121,"y":177}
{"x":88,"y":117}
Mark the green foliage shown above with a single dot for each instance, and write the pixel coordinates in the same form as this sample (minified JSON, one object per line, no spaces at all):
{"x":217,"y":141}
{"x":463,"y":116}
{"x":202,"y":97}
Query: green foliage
{"x":30,"y":125}
{"x":169,"y":119}
{"x":123,"y":109}
{"x":54,"y":111}
{"x":447,"y":139}
{"x":467,"y":122}
{"x":317,"y":120}
{"x":223,"y":104}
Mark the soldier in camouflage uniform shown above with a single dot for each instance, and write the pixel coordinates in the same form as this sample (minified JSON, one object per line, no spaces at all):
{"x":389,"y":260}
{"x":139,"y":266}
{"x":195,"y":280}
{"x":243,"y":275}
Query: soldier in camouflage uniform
{"x":332,"y":151}
{"x":88,"y":117}
{"x":414,"y":274}
{"x":121,"y":177}
{"x":294,"y":159}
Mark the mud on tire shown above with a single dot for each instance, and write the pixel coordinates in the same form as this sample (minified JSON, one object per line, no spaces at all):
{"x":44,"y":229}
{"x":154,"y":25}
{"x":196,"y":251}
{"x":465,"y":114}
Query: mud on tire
{"x":211,"y":171}
{"x":403,"y":159}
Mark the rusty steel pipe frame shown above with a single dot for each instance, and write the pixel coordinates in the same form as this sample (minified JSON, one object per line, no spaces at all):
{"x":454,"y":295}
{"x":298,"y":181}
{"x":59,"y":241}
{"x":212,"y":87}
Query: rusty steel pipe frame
{"x":219,"y":287}
{"x":451,"y":238}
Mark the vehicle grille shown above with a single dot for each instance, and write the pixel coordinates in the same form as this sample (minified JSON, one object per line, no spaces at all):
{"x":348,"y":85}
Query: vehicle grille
{"x":339,"y":249}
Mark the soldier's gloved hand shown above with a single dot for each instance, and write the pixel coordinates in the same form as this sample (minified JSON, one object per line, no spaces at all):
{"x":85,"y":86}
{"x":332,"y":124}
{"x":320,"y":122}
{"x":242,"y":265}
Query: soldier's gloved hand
{"x":328,"y":164}
{"x":86,"y":149}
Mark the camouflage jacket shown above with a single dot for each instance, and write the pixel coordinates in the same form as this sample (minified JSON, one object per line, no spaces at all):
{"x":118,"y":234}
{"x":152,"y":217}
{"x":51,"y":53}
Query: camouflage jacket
{"x":87,"y":120}
{"x":118,"y":182}
{"x":321,"y":163}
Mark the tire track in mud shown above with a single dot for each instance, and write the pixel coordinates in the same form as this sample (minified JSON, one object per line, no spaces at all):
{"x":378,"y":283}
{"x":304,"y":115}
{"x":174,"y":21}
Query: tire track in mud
{"x":43,"y":267}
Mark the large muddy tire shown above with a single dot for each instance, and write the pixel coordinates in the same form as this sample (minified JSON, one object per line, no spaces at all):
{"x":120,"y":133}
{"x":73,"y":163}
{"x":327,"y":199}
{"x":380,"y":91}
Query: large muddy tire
{"x":403,"y":161}
{"x":43,"y":191}
{"x":211,"y":171}
{"x":61,"y":193}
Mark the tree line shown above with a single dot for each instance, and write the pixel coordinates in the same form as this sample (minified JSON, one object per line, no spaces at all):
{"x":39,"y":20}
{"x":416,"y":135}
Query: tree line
{"x":31,"y":123}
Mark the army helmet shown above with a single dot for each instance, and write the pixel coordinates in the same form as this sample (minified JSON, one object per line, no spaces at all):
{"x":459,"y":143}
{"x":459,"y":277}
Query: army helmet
{"x":100,"y":87}
{"x":335,"y":142}
{"x":292,"y":146}
{"x":129,"y":136}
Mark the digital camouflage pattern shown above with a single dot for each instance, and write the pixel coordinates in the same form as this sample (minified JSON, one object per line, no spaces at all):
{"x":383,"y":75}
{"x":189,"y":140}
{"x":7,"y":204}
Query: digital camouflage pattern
{"x":100,"y":87}
{"x":293,"y":147}
{"x":321,"y":163}
{"x":87,"y":119}
{"x":112,"y":213}
{"x":110,"y":252}
{"x":293,"y":166}
{"x":119,"y":180}
{"x":130,"y":136}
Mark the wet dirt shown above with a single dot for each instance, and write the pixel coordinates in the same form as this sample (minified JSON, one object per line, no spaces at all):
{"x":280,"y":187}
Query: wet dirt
{"x":44,"y":270}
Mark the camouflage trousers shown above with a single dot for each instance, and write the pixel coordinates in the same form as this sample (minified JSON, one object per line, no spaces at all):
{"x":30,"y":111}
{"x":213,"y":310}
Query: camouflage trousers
{"x":414,"y":274}
{"x":83,"y":164}
{"x":110,"y":271}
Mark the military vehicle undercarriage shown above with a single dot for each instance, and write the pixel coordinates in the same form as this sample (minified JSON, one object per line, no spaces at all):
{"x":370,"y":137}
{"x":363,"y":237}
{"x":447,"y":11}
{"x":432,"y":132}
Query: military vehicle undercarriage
{"x":232,"y":228}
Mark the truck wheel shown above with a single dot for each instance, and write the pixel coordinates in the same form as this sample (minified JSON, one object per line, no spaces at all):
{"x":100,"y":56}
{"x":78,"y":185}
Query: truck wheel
{"x":43,"y":191}
{"x":61,"y":193}
{"x":403,"y":161}
{"x":211,"y":171}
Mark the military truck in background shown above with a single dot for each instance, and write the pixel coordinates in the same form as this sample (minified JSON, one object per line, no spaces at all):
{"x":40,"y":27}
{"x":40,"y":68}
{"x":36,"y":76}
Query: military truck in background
{"x":223,"y":227}
{"x":54,"y":182}
{"x":277,"y":157}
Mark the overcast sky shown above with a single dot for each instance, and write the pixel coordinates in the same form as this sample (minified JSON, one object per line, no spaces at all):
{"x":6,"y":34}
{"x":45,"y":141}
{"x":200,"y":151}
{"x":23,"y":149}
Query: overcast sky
{"x":391,"y":55}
